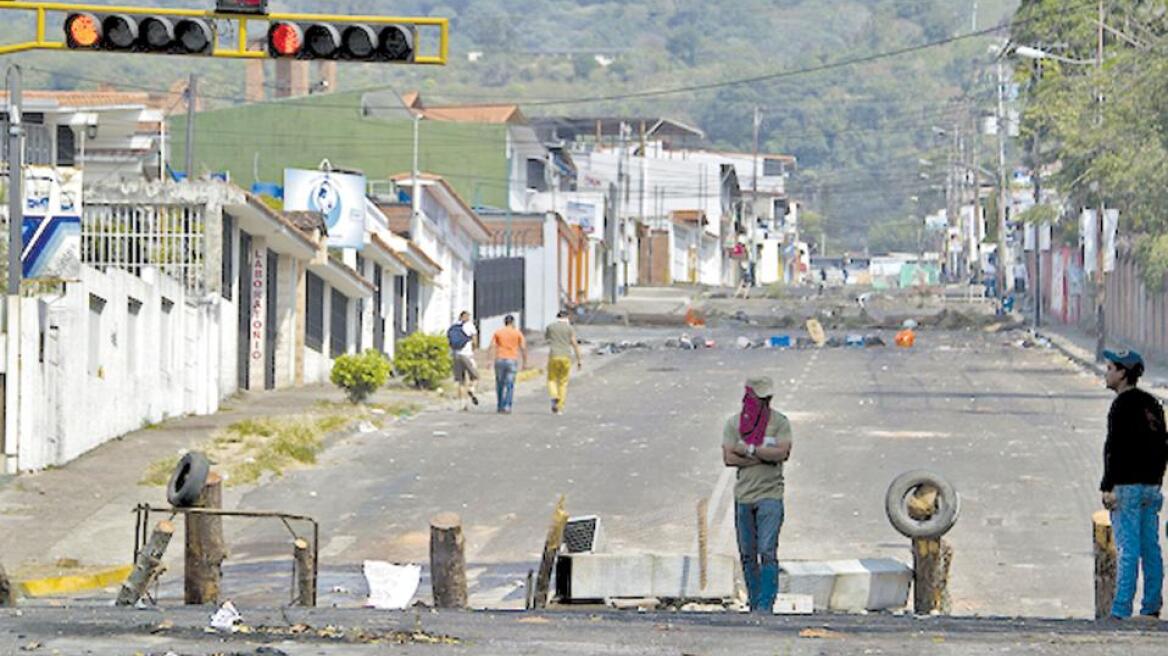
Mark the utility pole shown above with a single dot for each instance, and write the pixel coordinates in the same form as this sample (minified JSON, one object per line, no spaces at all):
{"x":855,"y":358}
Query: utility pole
{"x":1100,"y":275}
{"x":192,"y":101}
{"x":1002,"y":177}
{"x":416,"y":193}
{"x":15,"y":139}
{"x":754,"y":201}
{"x":1036,"y":174}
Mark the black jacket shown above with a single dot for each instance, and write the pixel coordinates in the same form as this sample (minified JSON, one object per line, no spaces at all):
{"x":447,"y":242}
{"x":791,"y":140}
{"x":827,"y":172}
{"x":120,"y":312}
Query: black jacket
{"x":1137,"y":446}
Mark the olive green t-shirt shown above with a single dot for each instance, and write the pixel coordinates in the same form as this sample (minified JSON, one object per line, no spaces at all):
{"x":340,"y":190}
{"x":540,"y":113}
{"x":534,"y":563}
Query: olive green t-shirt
{"x":559,"y":336}
{"x":760,"y":481}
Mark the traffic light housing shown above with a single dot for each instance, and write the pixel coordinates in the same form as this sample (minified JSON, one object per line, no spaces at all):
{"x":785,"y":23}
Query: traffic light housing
{"x":257,"y":7}
{"x":125,"y":33}
{"x":343,"y":41}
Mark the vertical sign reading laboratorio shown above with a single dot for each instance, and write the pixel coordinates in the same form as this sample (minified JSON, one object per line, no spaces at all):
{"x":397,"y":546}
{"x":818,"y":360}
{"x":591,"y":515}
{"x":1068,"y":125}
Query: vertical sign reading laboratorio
{"x":259,"y":292}
{"x":340,"y":197}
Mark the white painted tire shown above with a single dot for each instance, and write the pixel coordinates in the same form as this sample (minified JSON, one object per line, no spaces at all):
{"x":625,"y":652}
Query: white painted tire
{"x":896,"y":505}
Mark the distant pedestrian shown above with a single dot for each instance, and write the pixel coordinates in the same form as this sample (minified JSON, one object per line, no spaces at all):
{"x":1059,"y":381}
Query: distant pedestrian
{"x":561,"y":337}
{"x":1134,"y":457}
{"x":507,"y":344}
{"x":757,"y":441}
{"x":461,"y":339}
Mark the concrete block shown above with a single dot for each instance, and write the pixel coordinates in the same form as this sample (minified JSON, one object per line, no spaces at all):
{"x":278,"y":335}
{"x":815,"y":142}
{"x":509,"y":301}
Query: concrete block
{"x":890,"y":583}
{"x":808,"y":577}
{"x":605,"y":576}
{"x":601,"y":576}
{"x":870,"y":584}
{"x":679,"y":577}
{"x":793,"y":604}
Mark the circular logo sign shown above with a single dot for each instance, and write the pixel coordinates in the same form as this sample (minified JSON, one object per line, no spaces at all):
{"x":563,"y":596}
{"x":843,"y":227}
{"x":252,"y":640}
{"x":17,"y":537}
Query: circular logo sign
{"x":324,"y":197}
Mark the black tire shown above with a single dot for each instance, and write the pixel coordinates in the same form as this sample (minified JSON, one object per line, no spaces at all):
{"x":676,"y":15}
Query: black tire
{"x":895,"y":504}
{"x":188,"y":479}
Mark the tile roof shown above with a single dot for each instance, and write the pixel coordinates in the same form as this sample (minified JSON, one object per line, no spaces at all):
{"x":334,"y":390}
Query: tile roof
{"x":398,"y":215}
{"x":496,"y":114}
{"x":306,"y":222}
{"x":688,"y":216}
{"x":99,"y":98}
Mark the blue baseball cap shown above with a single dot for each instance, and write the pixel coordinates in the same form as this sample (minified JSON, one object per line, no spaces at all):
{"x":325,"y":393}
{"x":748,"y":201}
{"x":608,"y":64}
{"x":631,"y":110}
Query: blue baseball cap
{"x":1125,"y":358}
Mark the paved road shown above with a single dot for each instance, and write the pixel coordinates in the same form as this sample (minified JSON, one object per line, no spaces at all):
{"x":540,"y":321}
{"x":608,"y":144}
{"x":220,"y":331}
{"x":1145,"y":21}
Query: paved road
{"x":110,"y":632}
{"x":1018,"y":431}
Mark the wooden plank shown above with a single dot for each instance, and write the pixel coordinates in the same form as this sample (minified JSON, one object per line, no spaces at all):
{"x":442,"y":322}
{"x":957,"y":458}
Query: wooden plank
{"x":703,"y":542}
{"x":551,"y":547}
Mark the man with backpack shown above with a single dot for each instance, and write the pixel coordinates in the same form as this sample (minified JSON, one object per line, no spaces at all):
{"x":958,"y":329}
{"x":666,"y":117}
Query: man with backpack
{"x":1134,"y":457}
{"x":461,"y":339}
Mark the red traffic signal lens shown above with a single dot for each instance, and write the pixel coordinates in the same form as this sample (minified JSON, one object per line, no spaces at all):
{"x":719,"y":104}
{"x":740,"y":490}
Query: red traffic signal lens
{"x":359,"y":42}
{"x":194,"y":36}
{"x":156,"y":33}
{"x":322,"y":41}
{"x":397,"y":43}
{"x":120,"y":32}
{"x":82,"y":31}
{"x":285,"y":39}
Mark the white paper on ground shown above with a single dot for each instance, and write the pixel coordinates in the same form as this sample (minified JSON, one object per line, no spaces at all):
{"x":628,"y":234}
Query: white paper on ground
{"x":225,"y":617}
{"x":391,"y":587}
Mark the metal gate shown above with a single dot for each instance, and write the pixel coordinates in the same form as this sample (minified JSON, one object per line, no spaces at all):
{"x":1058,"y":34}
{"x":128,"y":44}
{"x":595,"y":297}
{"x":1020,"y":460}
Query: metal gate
{"x":243,"y":344}
{"x":271,"y":326}
{"x":498,"y":287}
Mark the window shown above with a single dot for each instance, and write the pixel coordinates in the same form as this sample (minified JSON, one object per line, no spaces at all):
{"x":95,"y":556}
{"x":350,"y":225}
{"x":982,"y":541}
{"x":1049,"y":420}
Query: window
{"x":338,"y":324}
{"x":536,"y":179}
{"x":96,"y":309}
{"x":772,"y":168}
{"x":165,"y":338}
{"x":228,"y":264}
{"x":314,"y":313}
{"x":133,"y":316}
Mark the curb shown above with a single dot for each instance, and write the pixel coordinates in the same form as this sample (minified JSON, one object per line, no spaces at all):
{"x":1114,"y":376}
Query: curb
{"x":74,"y":583}
{"x":1087,"y":361}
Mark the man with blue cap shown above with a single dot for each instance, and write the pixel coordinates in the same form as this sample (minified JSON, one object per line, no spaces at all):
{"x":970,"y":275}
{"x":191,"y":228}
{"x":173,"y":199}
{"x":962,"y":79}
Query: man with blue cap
{"x":1134,"y":458}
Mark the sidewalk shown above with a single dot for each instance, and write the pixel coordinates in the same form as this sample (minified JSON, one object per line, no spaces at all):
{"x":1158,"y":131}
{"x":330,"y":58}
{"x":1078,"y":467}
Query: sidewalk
{"x":77,"y":518}
{"x":1079,"y":346}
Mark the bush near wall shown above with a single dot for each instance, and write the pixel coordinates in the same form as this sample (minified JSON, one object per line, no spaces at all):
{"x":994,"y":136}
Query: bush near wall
{"x":423,"y":360}
{"x":360,"y":375}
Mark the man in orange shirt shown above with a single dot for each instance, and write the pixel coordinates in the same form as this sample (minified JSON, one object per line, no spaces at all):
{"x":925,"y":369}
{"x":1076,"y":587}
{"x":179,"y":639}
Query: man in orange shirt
{"x":506,"y":345}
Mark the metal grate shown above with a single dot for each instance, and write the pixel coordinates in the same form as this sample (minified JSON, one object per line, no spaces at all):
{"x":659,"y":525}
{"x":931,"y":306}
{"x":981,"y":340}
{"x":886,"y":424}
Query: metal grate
{"x":582,"y":534}
{"x":168,"y":238}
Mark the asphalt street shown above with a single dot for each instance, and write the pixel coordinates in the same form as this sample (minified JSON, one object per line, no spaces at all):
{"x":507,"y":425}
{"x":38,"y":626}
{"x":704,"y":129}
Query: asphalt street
{"x":1017,"y":431}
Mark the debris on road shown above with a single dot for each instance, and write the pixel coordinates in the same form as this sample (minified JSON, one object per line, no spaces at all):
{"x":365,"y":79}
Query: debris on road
{"x":906,"y":338}
{"x":391,"y":587}
{"x":613,"y":348}
{"x":226,"y":617}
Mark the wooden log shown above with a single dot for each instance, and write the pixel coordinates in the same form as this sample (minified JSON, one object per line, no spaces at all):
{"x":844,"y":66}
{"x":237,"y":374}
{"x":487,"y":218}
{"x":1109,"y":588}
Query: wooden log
{"x":7,"y":594}
{"x":551,"y":548}
{"x":205,"y":549}
{"x":304,"y":565}
{"x":148,"y":565}
{"x":1105,"y":563}
{"x":703,"y":542}
{"x":447,"y":561}
{"x":931,"y":560}
{"x":923,"y":503}
{"x":529,"y":597}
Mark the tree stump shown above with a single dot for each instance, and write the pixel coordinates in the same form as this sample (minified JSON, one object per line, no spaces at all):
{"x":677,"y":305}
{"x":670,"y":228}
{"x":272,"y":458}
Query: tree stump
{"x":703,"y":542}
{"x":447,"y":561}
{"x":931,"y":560}
{"x":1105,"y":563}
{"x":551,"y":548}
{"x":148,"y":566}
{"x":304,"y":565}
{"x":205,"y":550}
{"x":7,"y":595}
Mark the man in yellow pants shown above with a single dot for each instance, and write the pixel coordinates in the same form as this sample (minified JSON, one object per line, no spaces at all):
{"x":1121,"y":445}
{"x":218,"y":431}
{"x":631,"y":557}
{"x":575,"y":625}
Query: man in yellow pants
{"x":561,"y":337}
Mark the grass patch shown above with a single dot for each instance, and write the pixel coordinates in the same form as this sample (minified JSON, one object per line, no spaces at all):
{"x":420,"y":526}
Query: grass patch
{"x":158,"y":473}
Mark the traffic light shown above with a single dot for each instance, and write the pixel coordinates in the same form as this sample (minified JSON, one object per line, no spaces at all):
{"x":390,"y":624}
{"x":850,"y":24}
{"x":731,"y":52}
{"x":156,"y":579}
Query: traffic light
{"x":125,"y":33}
{"x":347,"y":41}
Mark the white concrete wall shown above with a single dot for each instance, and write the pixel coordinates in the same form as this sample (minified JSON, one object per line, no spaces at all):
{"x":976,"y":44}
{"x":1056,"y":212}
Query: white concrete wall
{"x":146,"y":368}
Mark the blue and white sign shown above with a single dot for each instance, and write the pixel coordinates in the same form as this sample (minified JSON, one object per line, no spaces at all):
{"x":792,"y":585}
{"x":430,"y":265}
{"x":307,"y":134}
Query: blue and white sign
{"x":340,"y":197}
{"x":51,"y":230}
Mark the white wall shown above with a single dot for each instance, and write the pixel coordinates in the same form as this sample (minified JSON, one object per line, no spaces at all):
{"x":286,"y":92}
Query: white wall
{"x":163,"y":365}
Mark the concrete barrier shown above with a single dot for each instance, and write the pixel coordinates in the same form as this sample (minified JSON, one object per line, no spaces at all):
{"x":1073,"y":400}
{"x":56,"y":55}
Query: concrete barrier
{"x":849,"y":585}
{"x":588,"y":576}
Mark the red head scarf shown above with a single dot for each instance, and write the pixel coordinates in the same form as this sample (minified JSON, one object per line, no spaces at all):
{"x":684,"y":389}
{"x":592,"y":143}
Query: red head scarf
{"x":756,"y":413}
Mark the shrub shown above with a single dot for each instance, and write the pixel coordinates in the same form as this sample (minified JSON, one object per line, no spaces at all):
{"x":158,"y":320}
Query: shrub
{"x":360,"y":375}
{"x":423,"y":360}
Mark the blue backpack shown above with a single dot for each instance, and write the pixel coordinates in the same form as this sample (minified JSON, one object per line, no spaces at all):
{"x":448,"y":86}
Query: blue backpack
{"x":457,"y":337}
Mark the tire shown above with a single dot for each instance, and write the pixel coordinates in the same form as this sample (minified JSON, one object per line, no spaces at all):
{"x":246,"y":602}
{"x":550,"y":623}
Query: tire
{"x":895,"y":505}
{"x":188,"y":479}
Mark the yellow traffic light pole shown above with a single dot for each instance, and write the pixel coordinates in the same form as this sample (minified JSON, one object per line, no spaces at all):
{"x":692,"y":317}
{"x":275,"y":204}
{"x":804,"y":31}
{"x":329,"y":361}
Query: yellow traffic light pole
{"x":240,"y":51}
